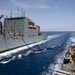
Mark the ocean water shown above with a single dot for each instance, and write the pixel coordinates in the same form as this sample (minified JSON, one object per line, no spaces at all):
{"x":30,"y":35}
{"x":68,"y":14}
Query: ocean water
{"x":48,"y":56}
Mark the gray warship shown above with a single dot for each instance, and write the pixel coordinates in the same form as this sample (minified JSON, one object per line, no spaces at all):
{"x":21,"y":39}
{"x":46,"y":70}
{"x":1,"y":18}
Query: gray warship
{"x":16,"y":32}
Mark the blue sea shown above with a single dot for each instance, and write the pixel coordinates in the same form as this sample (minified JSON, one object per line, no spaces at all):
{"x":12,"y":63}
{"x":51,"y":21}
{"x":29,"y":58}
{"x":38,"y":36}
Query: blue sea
{"x":48,"y":56}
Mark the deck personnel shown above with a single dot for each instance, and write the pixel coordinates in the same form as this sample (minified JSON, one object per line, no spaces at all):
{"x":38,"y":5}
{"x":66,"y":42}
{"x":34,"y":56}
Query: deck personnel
{"x":67,"y":58}
{"x":73,"y":58}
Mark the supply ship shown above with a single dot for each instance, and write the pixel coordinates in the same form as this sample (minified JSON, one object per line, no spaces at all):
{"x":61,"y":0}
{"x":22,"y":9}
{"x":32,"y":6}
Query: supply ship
{"x":17,"y":32}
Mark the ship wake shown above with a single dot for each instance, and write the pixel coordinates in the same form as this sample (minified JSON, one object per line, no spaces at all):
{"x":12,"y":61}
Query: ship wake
{"x":56,"y":65}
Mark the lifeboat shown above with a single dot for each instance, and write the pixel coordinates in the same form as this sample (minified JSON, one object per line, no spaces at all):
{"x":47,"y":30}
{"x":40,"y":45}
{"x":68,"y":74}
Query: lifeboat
{"x":32,"y":27}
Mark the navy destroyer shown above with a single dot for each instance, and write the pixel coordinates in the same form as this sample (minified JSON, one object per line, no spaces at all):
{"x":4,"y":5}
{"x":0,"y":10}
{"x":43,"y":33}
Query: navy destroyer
{"x":17,"y":32}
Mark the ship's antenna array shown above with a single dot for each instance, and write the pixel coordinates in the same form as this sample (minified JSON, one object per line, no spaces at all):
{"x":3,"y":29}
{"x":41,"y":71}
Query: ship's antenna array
{"x":17,"y":11}
{"x":22,"y":13}
{"x":11,"y":13}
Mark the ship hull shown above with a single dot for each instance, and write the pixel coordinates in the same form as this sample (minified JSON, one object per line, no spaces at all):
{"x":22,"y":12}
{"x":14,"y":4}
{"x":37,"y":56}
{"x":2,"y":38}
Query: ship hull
{"x":8,"y":43}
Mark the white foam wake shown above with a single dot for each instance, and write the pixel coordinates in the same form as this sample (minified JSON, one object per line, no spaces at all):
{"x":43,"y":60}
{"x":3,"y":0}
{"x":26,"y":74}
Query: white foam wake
{"x":72,"y":38}
{"x":56,"y":65}
{"x":28,"y":52}
{"x":9,"y":53}
{"x":53,"y":36}
{"x":6,"y":61}
{"x":59,"y":60}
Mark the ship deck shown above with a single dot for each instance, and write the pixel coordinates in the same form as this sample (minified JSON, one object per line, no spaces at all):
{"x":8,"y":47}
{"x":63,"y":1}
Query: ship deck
{"x":69,"y":67}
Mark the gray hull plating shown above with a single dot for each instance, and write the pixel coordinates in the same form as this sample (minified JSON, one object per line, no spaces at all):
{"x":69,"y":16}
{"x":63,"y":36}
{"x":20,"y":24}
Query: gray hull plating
{"x":8,"y":43}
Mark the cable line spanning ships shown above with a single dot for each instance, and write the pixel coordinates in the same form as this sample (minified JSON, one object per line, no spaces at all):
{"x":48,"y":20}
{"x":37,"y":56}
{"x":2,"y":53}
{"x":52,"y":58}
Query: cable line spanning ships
{"x":18,"y":32}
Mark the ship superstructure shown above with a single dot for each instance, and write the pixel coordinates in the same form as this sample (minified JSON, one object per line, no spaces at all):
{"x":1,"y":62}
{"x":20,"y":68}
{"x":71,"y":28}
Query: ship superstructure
{"x":21,"y":26}
{"x":17,"y":32}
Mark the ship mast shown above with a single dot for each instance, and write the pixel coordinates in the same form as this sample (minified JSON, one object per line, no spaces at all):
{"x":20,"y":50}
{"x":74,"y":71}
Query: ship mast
{"x":14,"y":29}
{"x":1,"y":25}
{"x":11,"y":13}
{"x":18,"y":11}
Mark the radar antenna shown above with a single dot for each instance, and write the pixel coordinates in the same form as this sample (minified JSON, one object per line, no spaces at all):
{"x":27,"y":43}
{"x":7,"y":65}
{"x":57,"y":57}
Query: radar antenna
{"x":18,"y":11}
{"x":11,"y":13}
